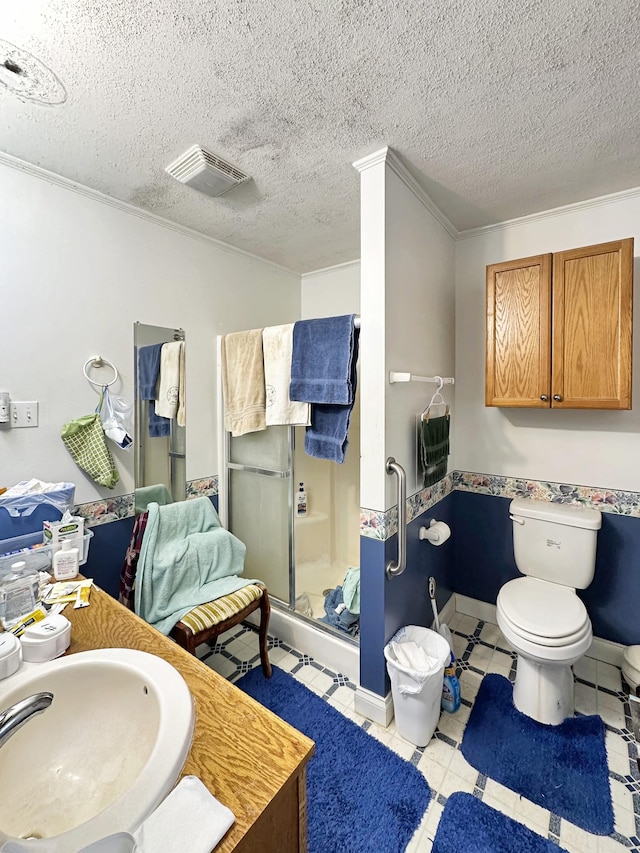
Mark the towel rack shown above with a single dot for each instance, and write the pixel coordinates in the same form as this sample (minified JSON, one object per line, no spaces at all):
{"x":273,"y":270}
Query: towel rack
{"x":98,"y":361}
{"x":397,"y":376}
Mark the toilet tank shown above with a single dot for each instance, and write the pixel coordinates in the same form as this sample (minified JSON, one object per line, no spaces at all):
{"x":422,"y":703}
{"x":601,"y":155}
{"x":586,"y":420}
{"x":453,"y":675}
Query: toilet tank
{"x":555,"y":542}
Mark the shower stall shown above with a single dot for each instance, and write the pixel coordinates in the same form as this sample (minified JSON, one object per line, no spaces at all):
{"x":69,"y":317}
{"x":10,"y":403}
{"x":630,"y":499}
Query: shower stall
{"x":300,"y":559}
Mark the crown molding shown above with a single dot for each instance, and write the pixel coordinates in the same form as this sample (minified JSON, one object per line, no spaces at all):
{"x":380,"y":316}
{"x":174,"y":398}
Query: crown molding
{"x":323,"y":270}
{"x":574,"y":207}
{"x":371,"y":159}
{"x":388,"y":156}
{"x":420,"y":193}
{"x":88,"y":192}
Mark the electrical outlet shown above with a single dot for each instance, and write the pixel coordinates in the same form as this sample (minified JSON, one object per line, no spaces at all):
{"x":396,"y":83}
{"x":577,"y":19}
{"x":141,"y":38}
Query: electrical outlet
{"x":23,"y":414}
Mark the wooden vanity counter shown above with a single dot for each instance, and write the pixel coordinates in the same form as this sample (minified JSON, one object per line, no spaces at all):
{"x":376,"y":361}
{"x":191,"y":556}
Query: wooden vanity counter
{"x":250,"y":760}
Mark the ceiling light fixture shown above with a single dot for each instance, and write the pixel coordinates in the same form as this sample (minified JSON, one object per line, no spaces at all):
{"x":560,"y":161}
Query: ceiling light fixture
{"x":28,"y":78}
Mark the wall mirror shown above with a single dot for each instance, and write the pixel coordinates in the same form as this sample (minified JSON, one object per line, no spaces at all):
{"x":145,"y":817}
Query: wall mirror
{"x":160,"y":441}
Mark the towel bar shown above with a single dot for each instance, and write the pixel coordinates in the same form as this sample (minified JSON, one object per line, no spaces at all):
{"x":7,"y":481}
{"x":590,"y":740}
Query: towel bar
{"x":393,"y":569}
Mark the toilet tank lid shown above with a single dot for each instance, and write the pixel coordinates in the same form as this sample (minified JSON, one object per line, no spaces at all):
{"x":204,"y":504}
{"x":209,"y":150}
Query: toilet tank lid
{"x":569,"y":514}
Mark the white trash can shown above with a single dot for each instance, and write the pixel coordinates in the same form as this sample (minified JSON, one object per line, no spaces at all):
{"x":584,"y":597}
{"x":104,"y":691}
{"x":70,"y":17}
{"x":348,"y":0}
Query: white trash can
{"x":416,"y":675}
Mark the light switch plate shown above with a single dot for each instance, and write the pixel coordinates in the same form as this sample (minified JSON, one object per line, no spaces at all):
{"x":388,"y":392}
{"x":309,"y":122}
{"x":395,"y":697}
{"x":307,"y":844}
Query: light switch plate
{"x":23,"y":414}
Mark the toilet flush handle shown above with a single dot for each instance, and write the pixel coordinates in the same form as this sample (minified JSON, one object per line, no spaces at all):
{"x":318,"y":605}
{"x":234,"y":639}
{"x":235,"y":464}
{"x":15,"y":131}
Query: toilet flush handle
{"x":517,"y":520}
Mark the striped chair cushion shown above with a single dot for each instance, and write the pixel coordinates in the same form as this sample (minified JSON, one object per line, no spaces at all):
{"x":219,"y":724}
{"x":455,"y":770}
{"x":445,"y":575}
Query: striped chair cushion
{"x":213,"y":612}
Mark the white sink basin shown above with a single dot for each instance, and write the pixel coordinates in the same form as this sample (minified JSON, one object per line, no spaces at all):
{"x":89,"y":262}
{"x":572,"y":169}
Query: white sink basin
{"x":104,"y":754}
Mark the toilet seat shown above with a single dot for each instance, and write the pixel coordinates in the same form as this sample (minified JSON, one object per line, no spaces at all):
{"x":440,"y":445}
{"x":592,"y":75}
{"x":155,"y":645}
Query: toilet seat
{"x":543,"y":613}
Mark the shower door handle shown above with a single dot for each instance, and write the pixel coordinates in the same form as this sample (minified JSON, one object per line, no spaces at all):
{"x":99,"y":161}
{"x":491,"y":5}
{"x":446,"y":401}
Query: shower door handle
{"x":393,"y":569}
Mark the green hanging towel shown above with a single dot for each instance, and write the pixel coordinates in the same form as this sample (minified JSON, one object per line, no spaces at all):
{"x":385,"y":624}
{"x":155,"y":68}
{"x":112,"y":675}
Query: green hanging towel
{"x":434,"y":448}
{"x":85,"y":441}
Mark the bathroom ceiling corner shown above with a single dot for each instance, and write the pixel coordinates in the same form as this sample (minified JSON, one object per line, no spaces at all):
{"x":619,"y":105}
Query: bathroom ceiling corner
{"x":496,"y":114}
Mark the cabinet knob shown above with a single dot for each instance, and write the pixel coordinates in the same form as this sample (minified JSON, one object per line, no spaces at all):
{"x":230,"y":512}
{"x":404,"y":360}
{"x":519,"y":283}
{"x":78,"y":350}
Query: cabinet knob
{"x":557,"y":398}
{"x":544,"y":397}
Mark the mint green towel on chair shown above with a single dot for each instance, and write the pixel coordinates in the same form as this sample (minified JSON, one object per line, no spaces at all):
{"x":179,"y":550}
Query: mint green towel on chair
{"x":187,"y":559}
{"x":145,"y":495}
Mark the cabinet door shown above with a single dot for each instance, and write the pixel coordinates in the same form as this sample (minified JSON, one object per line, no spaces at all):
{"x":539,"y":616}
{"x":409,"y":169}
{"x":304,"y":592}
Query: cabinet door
{"x":518,"y":366}
{"x":592,"y":327}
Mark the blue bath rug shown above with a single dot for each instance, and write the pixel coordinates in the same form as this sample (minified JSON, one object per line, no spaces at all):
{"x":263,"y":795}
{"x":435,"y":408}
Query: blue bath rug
{"x":468,"y":825}
{"x":361,"y":796}
{"x":561,"y":768}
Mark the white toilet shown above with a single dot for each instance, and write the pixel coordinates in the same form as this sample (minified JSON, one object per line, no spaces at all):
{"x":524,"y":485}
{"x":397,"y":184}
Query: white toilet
{"x":540,"y":615}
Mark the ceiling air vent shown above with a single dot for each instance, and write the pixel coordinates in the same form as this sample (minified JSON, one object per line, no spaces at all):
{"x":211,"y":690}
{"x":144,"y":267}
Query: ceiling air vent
{"x":205,"y":172}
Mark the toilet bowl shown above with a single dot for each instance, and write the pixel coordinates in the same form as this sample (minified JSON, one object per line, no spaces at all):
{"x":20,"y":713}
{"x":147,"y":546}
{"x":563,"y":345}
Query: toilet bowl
{"x":548,"y":627}
{"x":540,"y":613}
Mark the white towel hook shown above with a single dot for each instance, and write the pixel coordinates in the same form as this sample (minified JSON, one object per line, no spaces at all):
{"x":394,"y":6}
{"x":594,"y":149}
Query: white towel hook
{"x":98,"y":361}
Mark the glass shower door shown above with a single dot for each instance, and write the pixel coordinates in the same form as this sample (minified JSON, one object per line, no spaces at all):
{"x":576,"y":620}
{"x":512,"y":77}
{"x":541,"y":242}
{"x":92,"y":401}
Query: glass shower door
{"x":260,"y":506}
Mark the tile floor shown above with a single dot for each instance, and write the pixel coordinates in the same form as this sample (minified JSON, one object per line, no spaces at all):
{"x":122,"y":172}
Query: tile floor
{"x":479,"y":648}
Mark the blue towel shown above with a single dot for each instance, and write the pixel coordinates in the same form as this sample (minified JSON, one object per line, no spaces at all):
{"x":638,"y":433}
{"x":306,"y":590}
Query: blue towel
{"x":148,"y":369}
{"x":323,"y":360}
{"x":323,"y":372}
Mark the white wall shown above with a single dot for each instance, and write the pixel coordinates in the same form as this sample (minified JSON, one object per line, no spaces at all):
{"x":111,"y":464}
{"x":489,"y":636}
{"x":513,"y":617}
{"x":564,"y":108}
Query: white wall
{"x":76,"y":271}
{"x":408,"y":324}
{"x":578,"y":447}
{"x":331,"y":292}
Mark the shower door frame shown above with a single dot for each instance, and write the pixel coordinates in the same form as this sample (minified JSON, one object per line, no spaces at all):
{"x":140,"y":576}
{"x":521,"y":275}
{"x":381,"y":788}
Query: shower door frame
{"x":225,"y":466}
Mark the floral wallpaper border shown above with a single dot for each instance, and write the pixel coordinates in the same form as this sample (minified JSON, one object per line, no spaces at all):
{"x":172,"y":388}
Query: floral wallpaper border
{"x":606,"y":500}
{"x":122,"y":506}
{"x":378,"y":524}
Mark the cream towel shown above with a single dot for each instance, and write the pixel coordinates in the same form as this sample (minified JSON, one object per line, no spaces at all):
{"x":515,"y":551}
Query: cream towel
{"x":169,"y":380}
{"x":182,"y":411}
{"x":243,"y":382}
{"x":277,"y":343}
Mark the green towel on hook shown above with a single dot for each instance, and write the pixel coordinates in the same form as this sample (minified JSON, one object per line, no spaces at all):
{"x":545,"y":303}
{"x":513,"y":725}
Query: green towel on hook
{"x":434,"y":448}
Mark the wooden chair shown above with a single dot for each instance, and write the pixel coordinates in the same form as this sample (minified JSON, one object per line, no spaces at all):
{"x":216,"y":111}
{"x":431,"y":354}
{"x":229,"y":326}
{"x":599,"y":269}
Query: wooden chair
{"x":207,"y":621}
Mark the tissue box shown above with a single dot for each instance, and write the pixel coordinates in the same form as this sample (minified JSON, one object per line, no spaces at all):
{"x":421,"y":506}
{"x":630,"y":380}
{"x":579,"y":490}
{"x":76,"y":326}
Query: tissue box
{"x":54,"y":532}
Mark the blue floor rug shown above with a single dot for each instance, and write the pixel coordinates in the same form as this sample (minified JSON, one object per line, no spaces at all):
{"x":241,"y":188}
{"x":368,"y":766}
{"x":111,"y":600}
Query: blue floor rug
{"x":561,"y":768}
{"x":468,"y":825}
{"x":361,"y":796}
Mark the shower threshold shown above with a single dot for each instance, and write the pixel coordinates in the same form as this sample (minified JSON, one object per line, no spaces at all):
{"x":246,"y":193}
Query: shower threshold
{"x":338,"y":652}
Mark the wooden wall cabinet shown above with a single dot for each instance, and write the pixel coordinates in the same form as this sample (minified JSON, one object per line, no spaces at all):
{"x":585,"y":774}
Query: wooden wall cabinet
{"x":559,"y":329}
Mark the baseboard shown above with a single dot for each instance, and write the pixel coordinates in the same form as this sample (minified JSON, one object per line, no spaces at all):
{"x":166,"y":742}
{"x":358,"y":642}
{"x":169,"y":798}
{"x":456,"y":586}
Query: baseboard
{"x":605,"y":651}
{"x":379,"y":709}
{"x":478,"y":609}
{"x":448,"y":611}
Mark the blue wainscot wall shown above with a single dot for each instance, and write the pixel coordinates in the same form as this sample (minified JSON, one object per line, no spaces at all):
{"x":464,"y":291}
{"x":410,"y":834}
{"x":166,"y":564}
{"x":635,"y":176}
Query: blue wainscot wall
{"x":387,"y":605}
{"x":484,"y":561}
{"x":476,"y":561}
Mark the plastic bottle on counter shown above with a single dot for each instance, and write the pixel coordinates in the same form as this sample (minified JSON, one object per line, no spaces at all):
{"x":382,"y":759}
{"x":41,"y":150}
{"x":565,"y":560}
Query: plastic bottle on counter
{"x":18,"y":594}
{"x":66,"y":562}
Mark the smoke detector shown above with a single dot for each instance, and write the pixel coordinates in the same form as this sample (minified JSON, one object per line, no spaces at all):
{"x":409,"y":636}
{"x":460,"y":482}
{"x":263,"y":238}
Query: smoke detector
{"x":205,"y":172}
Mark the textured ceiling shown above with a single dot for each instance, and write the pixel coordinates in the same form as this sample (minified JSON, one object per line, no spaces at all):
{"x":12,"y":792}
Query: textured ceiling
{"x":498,"y":109}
